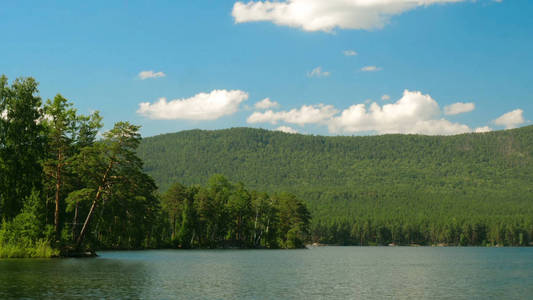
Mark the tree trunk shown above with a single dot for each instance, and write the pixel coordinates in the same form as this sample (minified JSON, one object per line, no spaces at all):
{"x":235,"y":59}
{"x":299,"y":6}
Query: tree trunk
{"x":255,"y":227}
{"x":192,"y":238}
{"x":75,"y":222}
{"x":58,"y":188}
{"x":173,"y":228}
{"x":87,"y":220}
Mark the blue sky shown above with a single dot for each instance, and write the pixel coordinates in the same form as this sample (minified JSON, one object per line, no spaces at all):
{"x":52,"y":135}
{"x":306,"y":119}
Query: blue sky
{"x":219,"y":58}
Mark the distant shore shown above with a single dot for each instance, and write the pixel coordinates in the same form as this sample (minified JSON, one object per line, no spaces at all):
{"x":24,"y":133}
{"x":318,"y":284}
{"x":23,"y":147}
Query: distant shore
{"x":441,"y":245}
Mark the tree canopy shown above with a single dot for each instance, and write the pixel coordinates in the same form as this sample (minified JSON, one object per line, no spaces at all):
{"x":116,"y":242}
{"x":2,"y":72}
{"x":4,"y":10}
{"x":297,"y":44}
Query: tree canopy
{"x":61,"y":188}
{"x":471,"y":189}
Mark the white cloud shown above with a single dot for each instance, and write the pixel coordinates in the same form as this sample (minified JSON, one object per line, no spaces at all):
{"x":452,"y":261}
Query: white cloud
{"x":307,"y":114}
{"x":511,"y":119}
{"x":266,"y":104}
{"x":413,"y":113}
{"x":483,"y":129}
{"x":326,"y":15}
{"x":370,"y":69}
{"x":459,"y":108}
{"x":151,"y":74}
{"x":385,"y":97}
{"x":317,"y":72}
{"x":286,"y":129}
{"x":202,"y":106}
{"x":349,"y":53}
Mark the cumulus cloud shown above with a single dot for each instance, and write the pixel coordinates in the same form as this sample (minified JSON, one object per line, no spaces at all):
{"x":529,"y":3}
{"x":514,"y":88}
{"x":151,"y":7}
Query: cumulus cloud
{"x":511,"y":119}
{"x":286,"y":129}
{"x":202,"y":106}
{"x":385,"y":97}
{"x":413,"y":113}
{"x":307,"y":114}
{"x":317,"y":72}
{"x":322,"y":15}
{"x":266,"y":104}
{"x":459,"y":108}
{"x":370,"y":69}
{"x":349,"y":53}
{"x":150,"y":74}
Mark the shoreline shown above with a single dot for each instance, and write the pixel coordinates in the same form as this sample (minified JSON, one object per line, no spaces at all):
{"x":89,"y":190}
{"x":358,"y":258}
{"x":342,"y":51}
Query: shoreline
{"x":94,"y":254}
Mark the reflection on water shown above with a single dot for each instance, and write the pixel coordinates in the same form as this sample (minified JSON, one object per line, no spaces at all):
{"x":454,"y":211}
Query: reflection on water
{"x":70,"y":278}
{"x":325,"y":272}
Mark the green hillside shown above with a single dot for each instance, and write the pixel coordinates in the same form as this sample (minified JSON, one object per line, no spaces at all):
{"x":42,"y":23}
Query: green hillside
{"x":351,"y":182}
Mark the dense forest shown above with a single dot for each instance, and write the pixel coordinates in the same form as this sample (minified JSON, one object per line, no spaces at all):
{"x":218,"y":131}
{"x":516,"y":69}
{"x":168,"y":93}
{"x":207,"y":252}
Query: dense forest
{"x":223,"y":214}
{"x":65,"y":190}
{"x":470,"y":189}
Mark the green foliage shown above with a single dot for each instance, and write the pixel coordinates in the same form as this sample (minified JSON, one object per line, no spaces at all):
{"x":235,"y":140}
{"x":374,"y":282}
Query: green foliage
{"x":121,"y":197}
{"x":39,"y":249}
{"x":293,"y":220}
{"x":52,"y":151}
{"x":27,"y":235}
{"x":22,"y":143}
{"x":60,"y":121}
{"x":470,"y":189}
{"x":223,"y":214}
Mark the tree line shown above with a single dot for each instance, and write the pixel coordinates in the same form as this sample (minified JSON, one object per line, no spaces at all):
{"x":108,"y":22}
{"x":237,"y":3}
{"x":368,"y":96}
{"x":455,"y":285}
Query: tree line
{"x":64,"y":188}
{"x":426,"y":232}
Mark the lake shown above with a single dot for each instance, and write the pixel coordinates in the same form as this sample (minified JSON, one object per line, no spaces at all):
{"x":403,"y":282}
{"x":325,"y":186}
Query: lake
{"x":316,"y":273}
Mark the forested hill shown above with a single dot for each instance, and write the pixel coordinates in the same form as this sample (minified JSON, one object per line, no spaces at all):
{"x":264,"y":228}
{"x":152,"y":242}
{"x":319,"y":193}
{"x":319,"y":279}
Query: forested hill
{"x":276,"y":160}
{"x":352,"y":178}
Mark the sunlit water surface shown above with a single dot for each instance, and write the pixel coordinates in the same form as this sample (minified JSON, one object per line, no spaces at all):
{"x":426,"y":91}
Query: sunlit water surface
{"x":317,"y":273}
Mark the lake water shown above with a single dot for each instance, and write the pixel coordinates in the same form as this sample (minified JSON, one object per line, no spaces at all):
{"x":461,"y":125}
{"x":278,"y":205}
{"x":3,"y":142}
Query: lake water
{"x":317,"y":273}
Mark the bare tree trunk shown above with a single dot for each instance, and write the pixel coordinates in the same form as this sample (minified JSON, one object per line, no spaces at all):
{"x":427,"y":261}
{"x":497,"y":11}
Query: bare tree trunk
{"x":87,"y":220}
{"x":58,"y":188}
{"x":255,"y":227}
{"x":174,"y":227}
{"x":75,"y":222}
{"x":192,"y":238}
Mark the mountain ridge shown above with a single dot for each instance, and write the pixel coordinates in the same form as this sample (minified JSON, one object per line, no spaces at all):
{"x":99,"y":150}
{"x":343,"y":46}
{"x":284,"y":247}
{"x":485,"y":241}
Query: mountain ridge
{"x":253,"y":139}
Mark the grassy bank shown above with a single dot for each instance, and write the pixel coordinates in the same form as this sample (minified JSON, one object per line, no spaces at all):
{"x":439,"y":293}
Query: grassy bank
{"x":40,"y":249}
